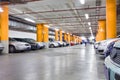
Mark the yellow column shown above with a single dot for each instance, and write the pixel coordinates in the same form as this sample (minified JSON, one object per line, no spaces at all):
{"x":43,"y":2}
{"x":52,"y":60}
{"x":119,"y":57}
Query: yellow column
{"x":60,"y":35}
{"x":73,"y":38}
{"x":56,"y":35}
{"x":68,"y":38}
{"x":45,"y":34}
{"x":4,"y":19}
{"x":65,"y":36}
{"x":39,"y":32}
{"x":102,"y":29}
{"x":111,"y":18}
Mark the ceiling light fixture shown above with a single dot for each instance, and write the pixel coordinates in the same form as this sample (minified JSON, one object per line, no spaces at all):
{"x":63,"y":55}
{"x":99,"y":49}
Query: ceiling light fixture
{"x":82,"y":1}
{"x":87,"y":16}
{"x":1,"y":10}
{"x":90,"y":28}
{"x":89,"y":23}
{"x":30,"y":20}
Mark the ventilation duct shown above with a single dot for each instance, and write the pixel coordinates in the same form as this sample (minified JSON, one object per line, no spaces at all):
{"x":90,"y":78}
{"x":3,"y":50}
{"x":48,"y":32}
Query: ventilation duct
{"x":16,"y":1}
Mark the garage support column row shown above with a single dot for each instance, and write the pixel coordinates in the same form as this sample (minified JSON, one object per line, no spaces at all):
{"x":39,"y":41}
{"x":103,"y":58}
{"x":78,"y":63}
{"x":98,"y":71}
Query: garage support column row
{"x":42,"y":34}
{"x":111,"y":18}
{"x":4,"y":19}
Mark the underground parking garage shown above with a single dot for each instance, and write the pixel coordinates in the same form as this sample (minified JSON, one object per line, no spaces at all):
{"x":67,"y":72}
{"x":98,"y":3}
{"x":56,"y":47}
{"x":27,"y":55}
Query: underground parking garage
{"x":60,"y":39}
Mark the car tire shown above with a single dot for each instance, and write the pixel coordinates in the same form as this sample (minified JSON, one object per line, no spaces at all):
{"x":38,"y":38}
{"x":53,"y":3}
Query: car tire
{"x":12,"y":49}
{"x":52,"y":46}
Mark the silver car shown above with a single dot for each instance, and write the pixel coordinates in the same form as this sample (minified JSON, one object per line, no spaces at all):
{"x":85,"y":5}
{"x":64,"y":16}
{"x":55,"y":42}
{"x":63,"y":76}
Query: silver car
{"x":18,"y":46}
{"x":1,"y":47}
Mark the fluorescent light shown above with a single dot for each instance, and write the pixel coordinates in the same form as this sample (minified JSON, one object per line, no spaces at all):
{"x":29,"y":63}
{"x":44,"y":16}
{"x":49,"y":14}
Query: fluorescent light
{"x":82,"y":1}
{"x":1,"y":10}
{"x":87,"y":16}
{"x":90,"y":28}
{"x":63,"y":31}
{"x":30,"y":20}
{"x":89,"y":23}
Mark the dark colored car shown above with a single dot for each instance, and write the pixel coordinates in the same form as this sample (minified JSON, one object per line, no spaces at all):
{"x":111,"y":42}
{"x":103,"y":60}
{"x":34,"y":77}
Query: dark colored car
{"x":112,"y":63}
{"x":67,"y":44}
{"x":34,"y":45}
{"x":40,"y":45}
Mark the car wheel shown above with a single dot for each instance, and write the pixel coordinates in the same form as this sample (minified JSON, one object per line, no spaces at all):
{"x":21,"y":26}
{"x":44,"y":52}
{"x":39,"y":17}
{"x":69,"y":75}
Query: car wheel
{"x":52,"y":46}
{"x":12,"y":49}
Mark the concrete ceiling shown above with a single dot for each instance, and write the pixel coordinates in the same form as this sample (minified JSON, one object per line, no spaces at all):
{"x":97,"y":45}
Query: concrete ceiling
{"x":68,"y":15}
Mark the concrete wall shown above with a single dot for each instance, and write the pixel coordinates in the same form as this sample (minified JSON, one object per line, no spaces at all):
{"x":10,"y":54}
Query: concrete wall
{"x":19,"y":34}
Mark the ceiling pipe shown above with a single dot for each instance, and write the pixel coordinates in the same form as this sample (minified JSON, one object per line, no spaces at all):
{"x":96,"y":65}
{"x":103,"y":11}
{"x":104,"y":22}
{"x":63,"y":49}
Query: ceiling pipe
{"x":70,"y":17}
{"x":14,"y":2}
{"x":87,"y":8}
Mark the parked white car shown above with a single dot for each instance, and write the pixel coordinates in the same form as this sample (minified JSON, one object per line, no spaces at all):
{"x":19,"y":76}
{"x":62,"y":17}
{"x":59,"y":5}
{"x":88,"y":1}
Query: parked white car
{"x":18,"y":46}
{"x":53,"y":44}
{"x":1,"y":47}
{"x":103,"y":45}
{"x":60,"y":43}
{"x":96,"y":44}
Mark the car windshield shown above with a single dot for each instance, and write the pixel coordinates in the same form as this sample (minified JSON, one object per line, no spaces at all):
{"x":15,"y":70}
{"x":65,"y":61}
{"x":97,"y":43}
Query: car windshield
{"x":30,"y":40}
{"x":11,"y":39}
{"x":19,"y":39}
{"x":51,"y":40}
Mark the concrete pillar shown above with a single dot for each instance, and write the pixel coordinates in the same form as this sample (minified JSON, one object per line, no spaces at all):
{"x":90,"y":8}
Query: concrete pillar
{"x":102,"y":29}
{"x":60,"y":35}
{"x":111,"y":18}
{"x":68,"y":38}
{"x":65,"y":36}
{"x":4,"y":20}
{"x":56,"y":35}
{"x":46,"y":36}
{"x":40,"y":32}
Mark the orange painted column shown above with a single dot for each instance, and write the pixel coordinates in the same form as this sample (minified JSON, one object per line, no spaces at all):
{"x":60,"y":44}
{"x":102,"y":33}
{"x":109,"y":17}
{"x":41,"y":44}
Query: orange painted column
{"x":60,"y":35}
{"x":111,"y":14}
{"x":74,"y":38}
{"x":4,"y":20}
{"x":65,"y":36}
{"x":56,"y":35}
{"x":46,"y":34}
{"x":40,"y":32}
{"x":68,"y":38}
{"x":102,"y":29}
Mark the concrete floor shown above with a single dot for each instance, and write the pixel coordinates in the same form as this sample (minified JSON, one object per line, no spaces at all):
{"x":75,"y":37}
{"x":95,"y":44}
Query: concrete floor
{"x":68,"y":63}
